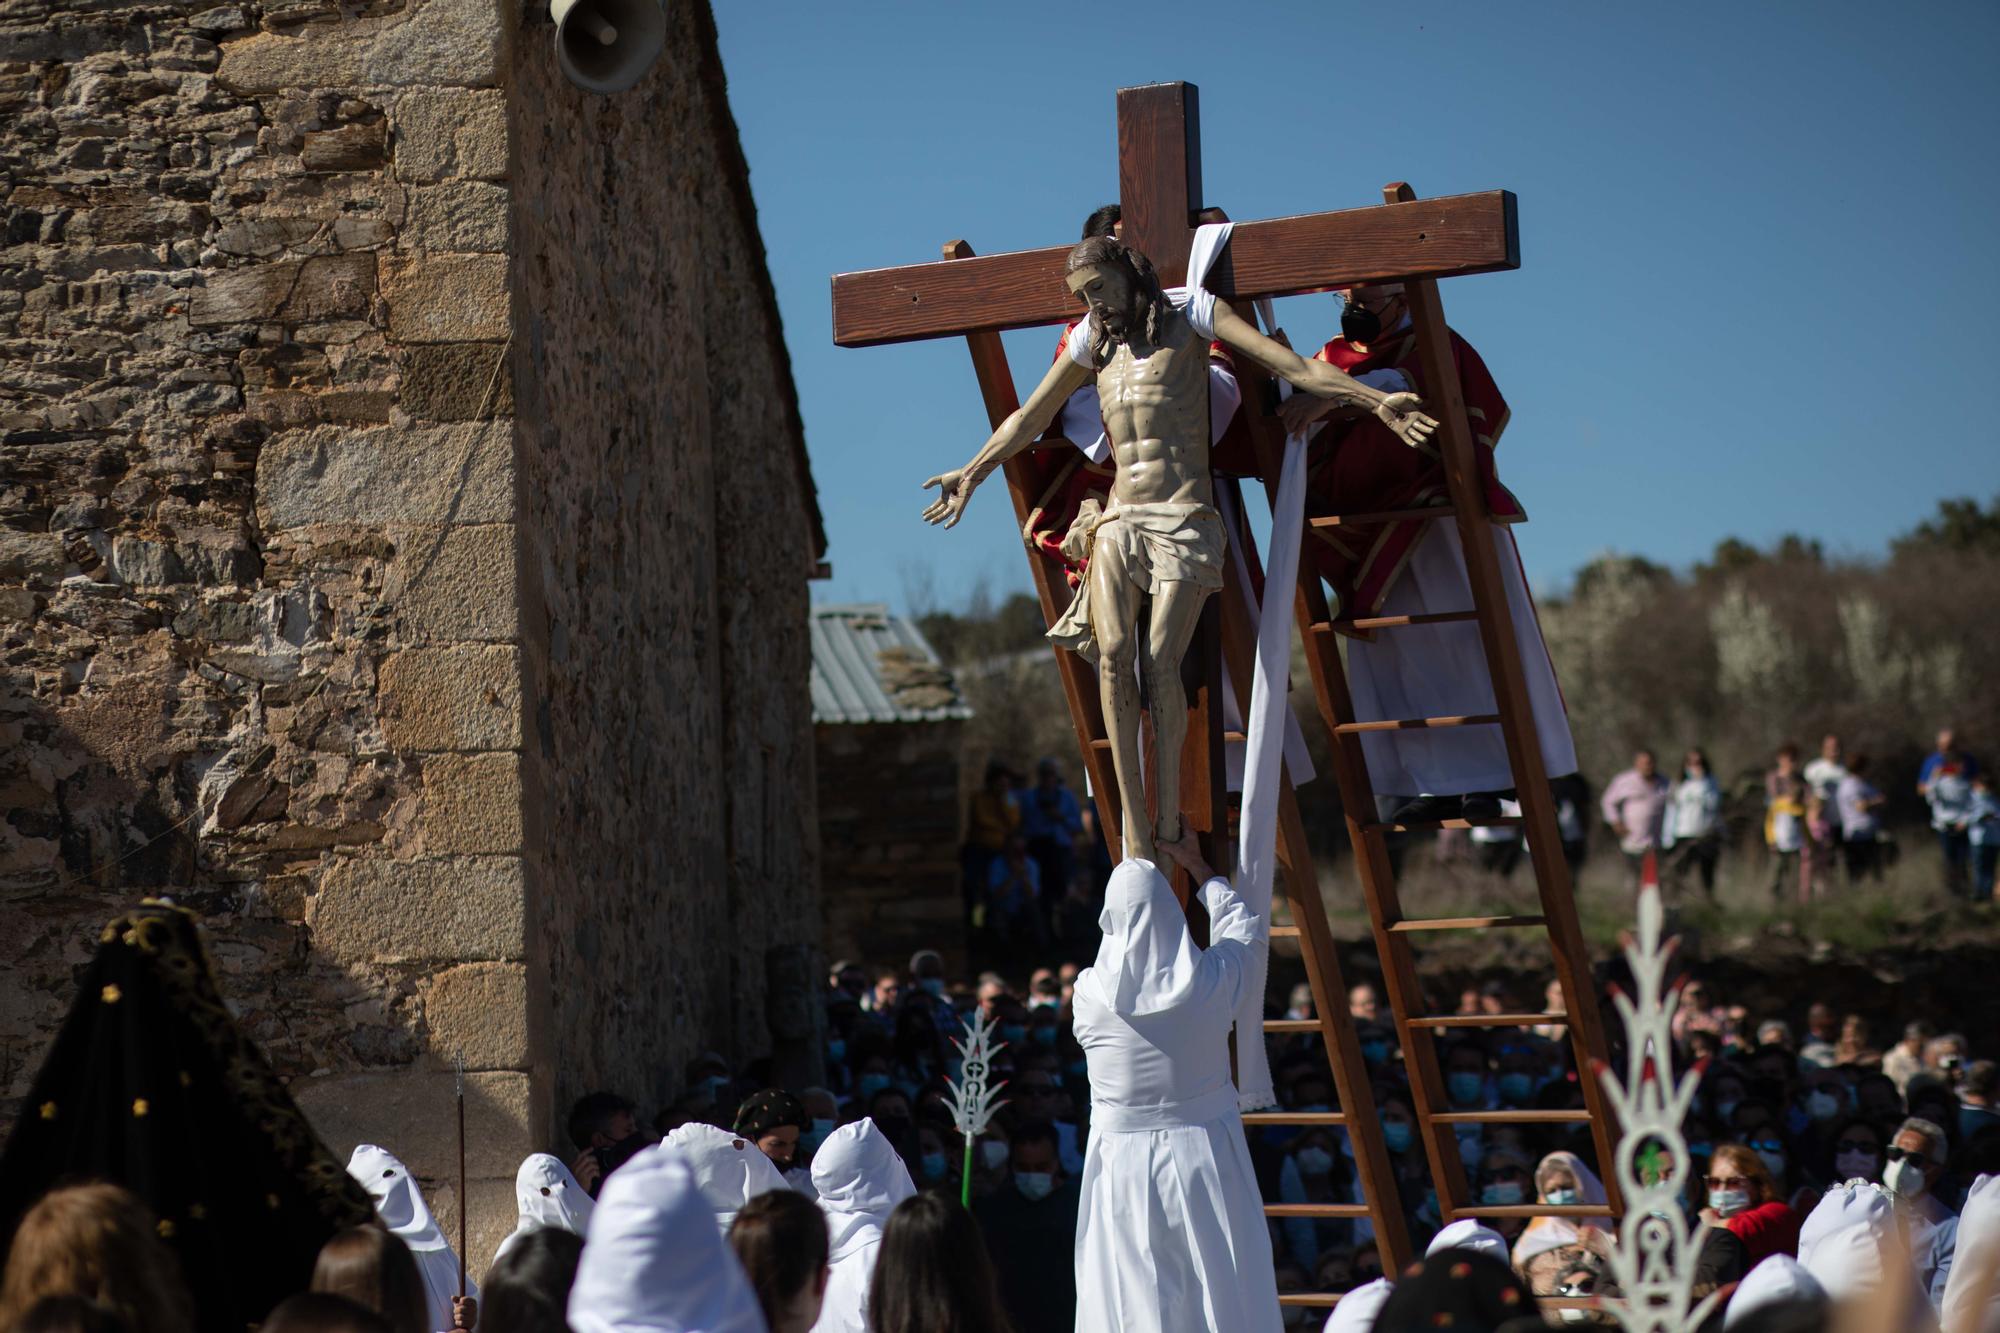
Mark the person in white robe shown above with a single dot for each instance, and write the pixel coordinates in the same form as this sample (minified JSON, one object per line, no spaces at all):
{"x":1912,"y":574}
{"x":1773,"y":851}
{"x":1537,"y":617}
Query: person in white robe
{"x":1468,"y":1234}
{"x":1845,"y":1243}
{"x":859,"y":1178}
{"x":400,"y":1205}
{"x":1358,"y":1308}
{"x":1170,"y":1235}
{"x":546,"y":1195}
{"x":1972,"y":1288}
{"x":653,"y":1261}
{"x":729,"y":1169}
{"x":1778,"y":1280}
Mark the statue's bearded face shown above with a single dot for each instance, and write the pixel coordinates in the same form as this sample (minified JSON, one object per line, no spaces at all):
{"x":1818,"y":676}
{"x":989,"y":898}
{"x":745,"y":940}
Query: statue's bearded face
{"x":1115,"y":300}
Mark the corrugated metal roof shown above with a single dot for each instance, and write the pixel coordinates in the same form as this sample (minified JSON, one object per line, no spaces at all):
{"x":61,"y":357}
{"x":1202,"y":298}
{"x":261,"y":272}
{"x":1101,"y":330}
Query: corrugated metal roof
{"x":870,"y":666}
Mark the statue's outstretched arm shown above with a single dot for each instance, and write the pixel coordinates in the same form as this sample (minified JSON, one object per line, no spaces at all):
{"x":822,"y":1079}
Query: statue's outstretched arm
{"x":1398,"y":411}
{"x":1022,"y":428}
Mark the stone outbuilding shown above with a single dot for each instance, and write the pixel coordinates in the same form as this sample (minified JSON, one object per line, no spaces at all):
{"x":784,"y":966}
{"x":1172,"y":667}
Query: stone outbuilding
{"x":405,"y":526}
{"x":889,"y":726}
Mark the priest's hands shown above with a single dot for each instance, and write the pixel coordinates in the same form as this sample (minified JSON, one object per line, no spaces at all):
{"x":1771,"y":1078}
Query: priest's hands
{"x":1398,"y":411}
{"x":464,"y":1312}
{"x":952,"y":494}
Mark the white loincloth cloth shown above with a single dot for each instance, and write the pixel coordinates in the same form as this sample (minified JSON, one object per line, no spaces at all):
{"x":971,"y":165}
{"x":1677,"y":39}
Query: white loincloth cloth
{"x":1160,"y":543}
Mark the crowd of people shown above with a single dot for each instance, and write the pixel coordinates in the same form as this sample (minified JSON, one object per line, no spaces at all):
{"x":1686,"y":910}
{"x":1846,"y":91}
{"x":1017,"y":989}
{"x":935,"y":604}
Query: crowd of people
{"x":1818,"y":817}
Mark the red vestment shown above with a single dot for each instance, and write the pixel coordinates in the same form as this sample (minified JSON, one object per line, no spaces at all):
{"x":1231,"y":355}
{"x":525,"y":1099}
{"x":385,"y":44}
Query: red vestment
{"x":1362,"y":467}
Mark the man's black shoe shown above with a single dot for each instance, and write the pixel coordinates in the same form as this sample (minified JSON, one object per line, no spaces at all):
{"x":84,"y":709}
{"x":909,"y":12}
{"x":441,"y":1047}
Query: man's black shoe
{"x":1482,"y":805}
{"x":1429,"y":809}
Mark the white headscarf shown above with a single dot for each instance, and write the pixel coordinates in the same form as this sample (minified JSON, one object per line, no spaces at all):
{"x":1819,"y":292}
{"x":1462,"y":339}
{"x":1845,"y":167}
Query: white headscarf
{"x":860,"y":1179}
{"x":1146,"y":961}
{"x":1358,"y":1308}
{"x":547,"y":1195}
{"x":1469,"y":1235}
{"x":398,"y":1201}
{"x":729,"y":1169}
{"x":1776,"y":1281}
{"x":653,"y":1262}
{"x":1543,"y":1234}
{"x":1978,"y":1257}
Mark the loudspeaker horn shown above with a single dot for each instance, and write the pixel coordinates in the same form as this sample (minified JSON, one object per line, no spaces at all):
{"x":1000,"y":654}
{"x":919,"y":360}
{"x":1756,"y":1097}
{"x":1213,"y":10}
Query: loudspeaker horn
{"x":604,"y":46}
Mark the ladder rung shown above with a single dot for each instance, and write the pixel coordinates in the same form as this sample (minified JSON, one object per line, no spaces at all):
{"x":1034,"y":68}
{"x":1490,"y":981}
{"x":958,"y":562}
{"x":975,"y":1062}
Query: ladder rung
{"x":1489,"y":1020}
{"x":1465,"y":923}
{"x":1285,"y":932}
{"x":1100,"y":743}
{"x":1578,"y":1117}
{"x":1316,"y":1210}
{"x":1417,"y":723}
{"x":1399,"y":622}
{"x":1291,"y":1025}
{"x":1499,"y":821}
{"x":1530,"y":1210}
{"x":1383,"y":516}
{"x":1322,"y":1299}
{"x":1294,"y":1118}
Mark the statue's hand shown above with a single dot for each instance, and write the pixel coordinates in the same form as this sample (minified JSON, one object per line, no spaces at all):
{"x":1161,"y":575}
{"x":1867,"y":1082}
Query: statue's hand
{"x":1399,"y":413}
{"x":952,"y":495}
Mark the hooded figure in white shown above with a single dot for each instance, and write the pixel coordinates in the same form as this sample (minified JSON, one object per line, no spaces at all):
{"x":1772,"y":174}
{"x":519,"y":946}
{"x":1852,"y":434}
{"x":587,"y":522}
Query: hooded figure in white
{"x":1171,"y":1234}
{"x":1970,"y":1280}
{"x":1779,"y":1280}
{"x":729,"y":1169}
{"x":1358,"y":1308}
{"x":1469,"y":1234}
{"x":400,"y":1205}
{"x":547,"y":1196}
{"x":652,"y":1261}
{"x":1844,"y":1244}
{"x":860,"y":1180}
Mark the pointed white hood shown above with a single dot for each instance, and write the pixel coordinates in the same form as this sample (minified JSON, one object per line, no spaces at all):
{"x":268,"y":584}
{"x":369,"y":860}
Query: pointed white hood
{"x":860,"y":1179}
{"x":1146,"y":961}
{"x":653,"y":1261}
{"x":728,"y":1169}
{"x":546,"y":1195}
{"x":398,"y":1201}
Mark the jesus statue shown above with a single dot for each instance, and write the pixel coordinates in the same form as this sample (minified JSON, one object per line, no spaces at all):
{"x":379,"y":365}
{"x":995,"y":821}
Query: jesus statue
{"x":1159,"y":540}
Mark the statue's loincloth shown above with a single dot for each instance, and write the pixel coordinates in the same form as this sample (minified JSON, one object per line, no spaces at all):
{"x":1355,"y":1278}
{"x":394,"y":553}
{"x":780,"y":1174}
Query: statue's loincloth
{"x":1160,"y":543}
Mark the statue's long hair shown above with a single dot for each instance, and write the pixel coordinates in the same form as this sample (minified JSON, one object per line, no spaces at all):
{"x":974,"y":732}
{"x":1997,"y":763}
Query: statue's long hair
{"x":1099,"y":250}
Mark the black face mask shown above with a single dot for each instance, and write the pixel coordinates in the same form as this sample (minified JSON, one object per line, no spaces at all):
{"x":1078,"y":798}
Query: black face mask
{"x":1359,"y":324}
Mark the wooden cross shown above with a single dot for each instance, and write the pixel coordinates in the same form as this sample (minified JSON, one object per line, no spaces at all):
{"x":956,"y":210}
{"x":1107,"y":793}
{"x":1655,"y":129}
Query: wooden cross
{"x":1159,"y":180}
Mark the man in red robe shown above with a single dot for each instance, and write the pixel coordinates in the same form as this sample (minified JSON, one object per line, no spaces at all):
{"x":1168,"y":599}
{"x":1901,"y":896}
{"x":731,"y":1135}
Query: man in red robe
{"x":1416,"y":567}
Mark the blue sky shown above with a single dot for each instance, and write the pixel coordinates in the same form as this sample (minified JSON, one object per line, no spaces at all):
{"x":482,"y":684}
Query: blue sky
{"x":1759,"y":271}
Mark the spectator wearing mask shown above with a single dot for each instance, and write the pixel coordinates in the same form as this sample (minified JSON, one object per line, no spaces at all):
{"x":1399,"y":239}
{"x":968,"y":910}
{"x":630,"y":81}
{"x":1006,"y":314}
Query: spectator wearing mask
{"x":101,"y":1244}
{"x":1505,"y":1180}
{"x":1785,"y":832}
{"x":546,"y":1196}
{"x":1562,"y":1180}
{"x":1030,"y":1230}
{"x":1635,"y":806}
{"x":781,"y":1240}
{"x":927,"y":975}
{"x":1857,"y":1150}
{"x":1052,"y":821}
{"x":933,"y":1275}
{"x":1821,"y":1048}
{"x":1038,"y":1095}
{"x":1982,"y":835}
{"x":527,"y":1288}
{"x":1915,"y":1162}
{"x":376,"y":1271}
{"x":1945,"y":781}
{"x":860,"y":1180}
{"x":1860,"y":805}
{"x":400,"y":1206}
{"x":1691,"y":829}
{"x":655,"y":1258}
{"x":604,"y":1128}
{"x":775,"y":1121}
{"x":1313,"y":1170}
{"x":1743,"y":1197}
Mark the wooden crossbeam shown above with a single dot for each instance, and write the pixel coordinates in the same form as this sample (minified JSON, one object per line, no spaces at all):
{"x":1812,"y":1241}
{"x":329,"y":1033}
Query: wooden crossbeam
{"x":1315,"y":252}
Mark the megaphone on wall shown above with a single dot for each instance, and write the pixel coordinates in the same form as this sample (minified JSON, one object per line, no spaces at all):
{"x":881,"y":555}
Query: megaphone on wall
{"x":604,"y":46}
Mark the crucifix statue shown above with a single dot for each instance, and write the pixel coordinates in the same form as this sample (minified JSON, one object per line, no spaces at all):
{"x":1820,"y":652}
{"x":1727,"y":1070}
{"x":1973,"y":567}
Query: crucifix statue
{"x":1155,"y":552}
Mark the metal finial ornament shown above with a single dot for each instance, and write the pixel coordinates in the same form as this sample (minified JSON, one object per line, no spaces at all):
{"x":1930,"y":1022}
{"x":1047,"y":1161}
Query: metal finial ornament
{"x":973,"y":1100}
{"x":1654,"y":1258}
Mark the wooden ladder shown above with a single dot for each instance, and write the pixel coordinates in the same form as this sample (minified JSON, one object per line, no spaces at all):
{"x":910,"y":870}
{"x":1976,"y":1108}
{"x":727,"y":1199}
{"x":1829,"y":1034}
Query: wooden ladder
{"x":1395,"y":933}
{"x":1229,"y":634}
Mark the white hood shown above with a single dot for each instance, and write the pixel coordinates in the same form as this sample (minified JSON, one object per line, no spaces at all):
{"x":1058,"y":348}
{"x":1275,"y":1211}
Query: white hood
{"x":728,"y":1169}
{"x":546,"y":1195}
{"x":1147,"y":959}
{"x":398,"y":1201}
{"x":860,"y":1179}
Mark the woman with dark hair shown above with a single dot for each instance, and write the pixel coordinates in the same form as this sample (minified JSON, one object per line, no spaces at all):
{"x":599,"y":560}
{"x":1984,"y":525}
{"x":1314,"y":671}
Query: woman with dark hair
{"x":323,"y":1312}
{"x":1856,"y":1150}
{"x":1693,"y":828}
{"x":781,"y":1239}
{"x":69,"y":1314}
{"x":375,"y":1269}
{"x":527,"y":1289}
{"x":933,"y":1275}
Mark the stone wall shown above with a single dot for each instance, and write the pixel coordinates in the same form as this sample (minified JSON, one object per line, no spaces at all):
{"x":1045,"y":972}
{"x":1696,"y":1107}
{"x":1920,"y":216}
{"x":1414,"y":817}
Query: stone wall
{"x":286,"y":578}
{"x":667,"y":543}
{"x":890,"y":812}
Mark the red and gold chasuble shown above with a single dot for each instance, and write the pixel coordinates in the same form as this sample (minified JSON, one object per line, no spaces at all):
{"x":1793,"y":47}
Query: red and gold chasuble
{"x":1361,"y":467}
